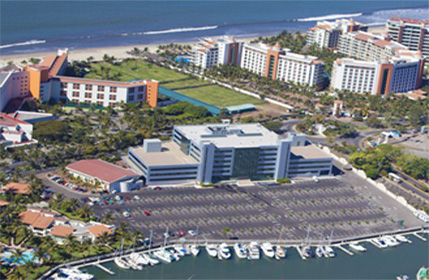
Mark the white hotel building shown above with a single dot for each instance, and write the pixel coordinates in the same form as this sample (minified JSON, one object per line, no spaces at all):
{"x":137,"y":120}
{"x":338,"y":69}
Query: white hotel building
{"x":398,"y":75}
{"x":215,"y":152}
{"x":412,"y":33}
{"x":209,"y":52}
{"x":281,"y":64}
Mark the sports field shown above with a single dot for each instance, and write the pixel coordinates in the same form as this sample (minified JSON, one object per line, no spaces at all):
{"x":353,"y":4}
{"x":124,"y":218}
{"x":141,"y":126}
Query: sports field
{"x":135,"y":69}
{"x":219,"y":96}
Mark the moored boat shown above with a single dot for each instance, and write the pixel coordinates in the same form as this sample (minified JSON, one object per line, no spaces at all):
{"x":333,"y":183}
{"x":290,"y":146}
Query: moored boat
{"x":195,"y":250}
{"x":121,"y":263}
{"x":268,"y":250}
{"x":240,"y":251}
{"x":224,"y":252}
{"x":319,"y":251}
{"x":329,"y":251}
{"x":357,"y":247}
{"x":402,"y":238}
{"x":253,"y":251}
{"x":212,"y":250}
{"x":280,"y":252}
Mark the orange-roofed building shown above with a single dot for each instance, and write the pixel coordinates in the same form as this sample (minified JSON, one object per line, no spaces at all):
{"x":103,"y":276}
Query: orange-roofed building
{"x":59,"y":233}
{"x":98,"y":230}
{"x":16,"y":188}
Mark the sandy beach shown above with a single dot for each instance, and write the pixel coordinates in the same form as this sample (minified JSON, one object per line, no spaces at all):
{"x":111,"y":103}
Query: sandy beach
{"x":117,"y":52}
{"x":97,"y":53}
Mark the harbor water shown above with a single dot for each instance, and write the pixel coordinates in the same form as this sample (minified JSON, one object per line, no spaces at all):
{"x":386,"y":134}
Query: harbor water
{"x":375,"y":263}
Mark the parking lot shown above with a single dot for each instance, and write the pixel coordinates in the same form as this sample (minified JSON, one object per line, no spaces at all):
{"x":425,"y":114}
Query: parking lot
{"x":344,"y":205}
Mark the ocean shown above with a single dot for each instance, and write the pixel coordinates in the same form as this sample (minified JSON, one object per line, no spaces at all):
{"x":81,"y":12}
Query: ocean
{"x":40,"y":26}
{"x":406,"y":259}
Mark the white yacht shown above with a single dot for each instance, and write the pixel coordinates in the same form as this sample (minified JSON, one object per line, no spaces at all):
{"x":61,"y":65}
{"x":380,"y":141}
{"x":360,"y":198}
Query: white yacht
{"x":254,"y":253}
{"x":307,"y":252}
{"x":133,"y":264}
{"x":223,"y":253}
{"x":319,"y":251}
{"x":379,"y":242}
{"x":163,"y":255}
{"x":195,"y":250}
{"x":402,"y":238}
{"x":121,"y":263}
{"x":280,"y":252}
{"x":73,"y":273}
{"x":357,"y":247}
{"x":152,"y":259}
{"x":268,"y":250}
{"x":212,"y":250}
{"x":329,"y":251}
{"x":239,"y":251}
{"x":139,"y":259}
{"x":390,"y":241}
{"x":180,"y":250}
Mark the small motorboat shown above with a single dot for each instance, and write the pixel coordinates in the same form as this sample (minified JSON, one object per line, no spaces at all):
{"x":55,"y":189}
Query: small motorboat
{"x":254,"y":253}
{"x":195,"y":250}
{"x":212,"y":250}
{"x":280,"y":252}
{"x":240,"y":251}
{"x":121,"y":263}
{"x":223,"y":252}
{"x":268,"y":250}
{"x":329,"y":251}
{"x":319,"y":251}
{"x":403,"y":239}
{"x":357,"y":247}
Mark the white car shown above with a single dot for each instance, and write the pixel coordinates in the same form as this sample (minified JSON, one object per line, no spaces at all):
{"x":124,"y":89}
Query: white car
{"x":91,"y":203}
{"x":315,"y":179}
{"x":126,"y":214}
{"x":137,"y":197}
{"x":117,"y":197}
{"x":193,"y":232}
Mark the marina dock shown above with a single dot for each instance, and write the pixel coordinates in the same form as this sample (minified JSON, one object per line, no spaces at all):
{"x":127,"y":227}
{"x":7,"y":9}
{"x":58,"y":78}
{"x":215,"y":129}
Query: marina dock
{"x":345,"y":250}
{"x":298,"y":249}
{"x":105,"y":269}
{"x":419,"y":236}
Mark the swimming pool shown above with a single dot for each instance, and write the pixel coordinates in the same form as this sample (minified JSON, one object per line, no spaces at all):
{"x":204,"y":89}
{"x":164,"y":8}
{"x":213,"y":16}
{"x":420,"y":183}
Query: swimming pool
{"x":26,"y":257}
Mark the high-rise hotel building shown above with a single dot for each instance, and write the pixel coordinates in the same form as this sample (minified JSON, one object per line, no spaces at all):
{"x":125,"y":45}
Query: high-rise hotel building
{"x":412,"y":33}
{"x":209,"y":52}
{"x":281,"y":64}
{"x":398,"y":74}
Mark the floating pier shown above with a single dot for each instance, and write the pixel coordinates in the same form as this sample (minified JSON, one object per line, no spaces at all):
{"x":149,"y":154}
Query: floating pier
{"x":105,"y":269}
{"x":345,"y":250}
{"x":419,"y":236}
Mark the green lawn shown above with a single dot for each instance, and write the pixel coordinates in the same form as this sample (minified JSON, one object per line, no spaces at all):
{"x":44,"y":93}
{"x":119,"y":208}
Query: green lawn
{"x":130,"y":70}
{"x":219,"y":96}
{"x":185,"y":83}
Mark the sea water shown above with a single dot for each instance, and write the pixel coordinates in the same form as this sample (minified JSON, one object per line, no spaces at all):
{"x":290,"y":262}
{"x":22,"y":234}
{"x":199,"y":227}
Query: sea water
{"x":38,"y":26}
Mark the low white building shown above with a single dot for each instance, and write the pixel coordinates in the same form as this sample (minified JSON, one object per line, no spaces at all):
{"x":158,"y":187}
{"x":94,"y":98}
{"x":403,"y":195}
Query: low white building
{"x":14,"y":132}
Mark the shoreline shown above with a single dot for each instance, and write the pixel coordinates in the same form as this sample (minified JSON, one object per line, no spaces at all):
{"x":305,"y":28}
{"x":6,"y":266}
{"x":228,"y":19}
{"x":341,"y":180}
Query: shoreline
{"x":97,"y":53}
{"x":121,"y":51}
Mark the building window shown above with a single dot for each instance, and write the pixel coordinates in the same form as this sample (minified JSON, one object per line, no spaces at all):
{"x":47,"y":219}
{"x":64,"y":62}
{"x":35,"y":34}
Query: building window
{"x":141,"y":89}
{"x":113,"y":89}
{"x":131,"y":90}
{"x":131,"y":98}
{"x":100,"y":96}
{"x":75,"y":101}
{"x":88,"y":102}
{"x":112,"y":104}
{"x":112,"y":97}
{"x":76,"y":86}
{"x":63,"y":93}
{"x":75,"y":94}
{"x":88,"y":87}
{"x":88,"y":95}
{"x":63,"y":85}
{"x":100,"y":88}
{"x":100,"y":103}
{"x":140,"y":97}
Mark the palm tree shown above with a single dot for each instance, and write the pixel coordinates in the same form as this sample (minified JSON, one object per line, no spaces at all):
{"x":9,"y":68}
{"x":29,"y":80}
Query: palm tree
{"x":18,"y":255}
{"x":73,"y":204}
{"x":59,"y":198}
{"x":86,"y":212}
{"x":41,"y":255}
{"x":108,"y":218}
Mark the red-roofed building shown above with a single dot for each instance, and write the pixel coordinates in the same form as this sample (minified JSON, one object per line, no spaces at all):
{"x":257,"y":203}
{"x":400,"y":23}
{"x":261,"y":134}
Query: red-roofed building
{"x":111,"y":177}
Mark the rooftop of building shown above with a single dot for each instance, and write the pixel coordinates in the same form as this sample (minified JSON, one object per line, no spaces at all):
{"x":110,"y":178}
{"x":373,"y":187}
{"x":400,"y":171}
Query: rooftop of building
{"x":307,"y":152}
{"x":102,"y":170}
{"x":17,"y":188}
{"x":29,"y":116}
{"x":134,"y":83}
{"x":3,"y":203}
{"x":36,"y":219}
{"x":230,"y":135}
{"x":170,"y":155}
{"x":6,"y":120}
{"x":98,"y":230}
{"x":61,"y":231}
{"x":410,"y":20}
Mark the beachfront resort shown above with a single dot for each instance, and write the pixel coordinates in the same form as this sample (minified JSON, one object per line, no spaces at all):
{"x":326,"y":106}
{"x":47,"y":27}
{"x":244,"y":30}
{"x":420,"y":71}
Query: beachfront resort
{"x":226,"y":149}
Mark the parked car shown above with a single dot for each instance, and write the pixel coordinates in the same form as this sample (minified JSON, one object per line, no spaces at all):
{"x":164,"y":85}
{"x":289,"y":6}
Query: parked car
{"x":126,"y":214}
{"x":157,"y":188}
{"x":315,"y":179}
{"x":146,"y":213}
{"x":136,"y":197}
{"x":193,"y":232}
{"x":180,"y":233}
{"x":117,"y":197}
